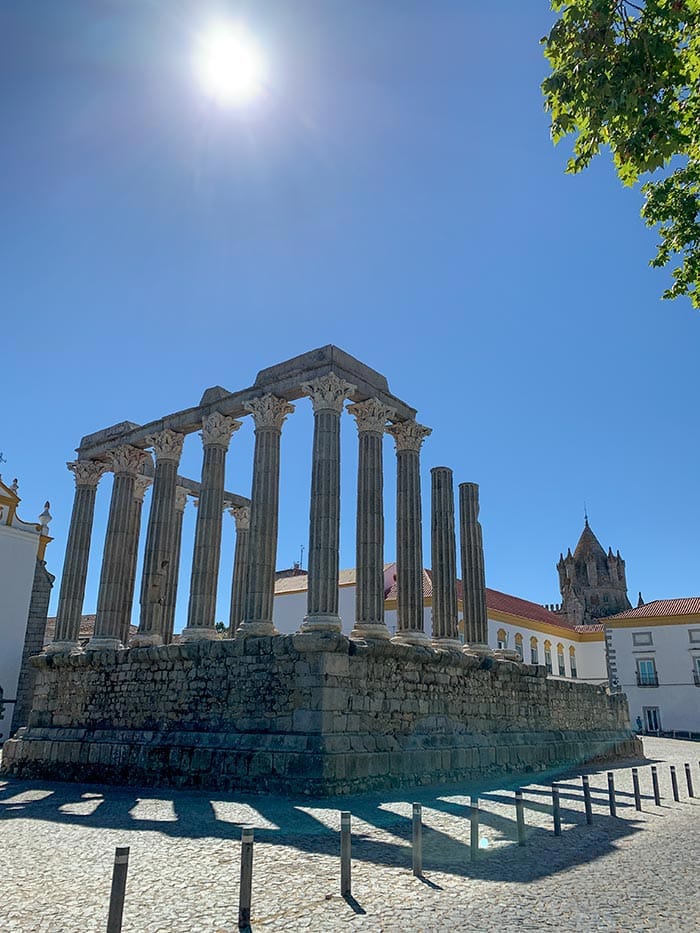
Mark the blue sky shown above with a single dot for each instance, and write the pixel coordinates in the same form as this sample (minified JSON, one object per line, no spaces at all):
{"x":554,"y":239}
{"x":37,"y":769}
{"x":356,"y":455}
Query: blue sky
{"x":395,"y":193}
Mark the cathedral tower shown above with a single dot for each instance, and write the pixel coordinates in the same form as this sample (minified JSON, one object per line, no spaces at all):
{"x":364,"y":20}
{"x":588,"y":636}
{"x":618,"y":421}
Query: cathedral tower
{"x":592,"y":583}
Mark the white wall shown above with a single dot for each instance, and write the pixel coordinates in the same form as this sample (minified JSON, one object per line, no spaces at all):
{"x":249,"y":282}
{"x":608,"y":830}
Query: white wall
{"x":18,"y":551}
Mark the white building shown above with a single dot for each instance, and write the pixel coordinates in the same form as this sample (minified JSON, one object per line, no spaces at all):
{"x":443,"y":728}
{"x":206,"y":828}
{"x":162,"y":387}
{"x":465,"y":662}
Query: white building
{"x":654,"y":656}
{"x":24,"y":589}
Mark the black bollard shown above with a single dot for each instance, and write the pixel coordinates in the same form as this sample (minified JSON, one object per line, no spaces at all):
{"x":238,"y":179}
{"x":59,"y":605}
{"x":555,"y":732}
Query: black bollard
{"x":611,"y":793}
{"x":556,"y":814}
{"x":116,"y":897}
{"x":587,"y":799}
{"x":655,"y":783}
{"x":674,"y":784}
{"x":689,"y":780}
{"x":246,"y":888}
{"x":637,"y":795}
{"x":345,"y":849}
{"x":417,"y":839}
{"x":474,"y":828}
{"x":520,"y":816}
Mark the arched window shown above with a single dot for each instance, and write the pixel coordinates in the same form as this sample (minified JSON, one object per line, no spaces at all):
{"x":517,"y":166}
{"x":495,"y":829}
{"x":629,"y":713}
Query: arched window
{"x":572,"y":660}
{"x":519,"y":645}
{"x":502,"y":638}
{"x":561,"y":668}
{"x":534,"y":651}
{"x":548,"y":656}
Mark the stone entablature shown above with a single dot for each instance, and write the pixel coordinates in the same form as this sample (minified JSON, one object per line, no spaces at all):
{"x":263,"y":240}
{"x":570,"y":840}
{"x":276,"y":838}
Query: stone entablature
{"x":310,"y":713}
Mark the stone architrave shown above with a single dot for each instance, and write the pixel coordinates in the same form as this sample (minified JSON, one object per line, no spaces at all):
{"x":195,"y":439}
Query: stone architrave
{"x":269,"y":413}
{"x":87,"y":474}
{"x":158,"y":555}
{"x":118,"y":560}
{"x":371,"y":417}
{"x":444,"y":559}
{"x":216,"y":436}
{"x":241,"y":516}
{"x":473,"y":573}
{"x":409,"y":437}
{"x":327,"y":394}
{"x":181,"y":494}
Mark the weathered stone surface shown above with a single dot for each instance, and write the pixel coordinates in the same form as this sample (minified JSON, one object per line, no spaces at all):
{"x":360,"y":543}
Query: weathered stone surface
{"x":312,"y":713}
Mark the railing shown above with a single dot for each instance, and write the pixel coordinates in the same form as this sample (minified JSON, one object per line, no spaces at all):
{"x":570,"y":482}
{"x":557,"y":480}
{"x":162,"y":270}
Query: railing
{"x":696,"y":677}
{"x":647,"y":680}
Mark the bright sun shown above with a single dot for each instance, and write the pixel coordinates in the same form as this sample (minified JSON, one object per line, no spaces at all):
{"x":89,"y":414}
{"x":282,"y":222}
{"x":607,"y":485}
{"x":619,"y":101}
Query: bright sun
{"x":229,"y":64}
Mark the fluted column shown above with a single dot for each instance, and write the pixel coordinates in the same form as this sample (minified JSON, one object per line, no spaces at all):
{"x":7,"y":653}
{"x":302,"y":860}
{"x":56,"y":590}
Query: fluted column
{"x":269,"y":413}
{"x":327,"y":396}
{"x":158,"y":555}
{"x":174,"y":571}
{"x":141,"y":484}
{"x":444,"y":559}
{"x":87,"y":475}
{"x":473,"y":575}
{"x":371,"y":417}
{"x":409,"y":437}
{"x":216,"y":435}
{"x":241,"y":516}
{"x":118,"y":556}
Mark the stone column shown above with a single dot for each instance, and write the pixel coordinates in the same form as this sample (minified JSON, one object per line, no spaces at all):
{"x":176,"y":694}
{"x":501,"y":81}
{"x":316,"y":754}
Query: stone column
{"x":216,"y":435}
{"x":409,"y":437}
{"x":158,"y":555}
{"x":116,"y":578}
{"x":87,"y":475}
{"x":473,"y":575}
{"x":444,"y":559}
{"x":241,"y":515}
{"x":327,"y":396}
{"x":371,"y":417}
{"x":141,"y":485}
{"x":269,"y":413}
{"x":174,"y":571}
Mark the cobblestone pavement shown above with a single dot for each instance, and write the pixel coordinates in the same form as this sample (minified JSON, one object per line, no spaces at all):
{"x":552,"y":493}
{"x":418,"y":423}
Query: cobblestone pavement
{"x":638,"y":871}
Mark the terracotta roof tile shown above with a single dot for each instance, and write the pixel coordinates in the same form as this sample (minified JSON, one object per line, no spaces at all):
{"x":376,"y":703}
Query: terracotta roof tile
{"x":689,"y":605}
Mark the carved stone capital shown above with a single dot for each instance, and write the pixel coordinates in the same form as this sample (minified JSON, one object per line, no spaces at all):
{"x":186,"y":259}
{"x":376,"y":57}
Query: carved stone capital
{"x":269,"y":411}
{"x":87,"y":472}
{"x":217,"y":430}
{"x":181,"y":495}
{"x":141,"y":484}
{"x":409,"y":435}
{"x":371,"y":416}
{"x":241,"y":514}
{"x":128,"y":459}
{"x":167,"y":445}
{"x":327,"y":393}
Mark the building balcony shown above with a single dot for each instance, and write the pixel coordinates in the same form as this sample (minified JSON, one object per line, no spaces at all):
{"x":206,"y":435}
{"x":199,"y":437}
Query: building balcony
{"x":647,"y":680}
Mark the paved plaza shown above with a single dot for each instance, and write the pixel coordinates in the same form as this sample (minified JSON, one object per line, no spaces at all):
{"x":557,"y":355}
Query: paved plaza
{"x":634,"y":872}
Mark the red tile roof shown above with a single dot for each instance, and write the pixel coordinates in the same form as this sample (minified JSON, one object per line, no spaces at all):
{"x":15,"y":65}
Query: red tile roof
{"x":689,"y":605}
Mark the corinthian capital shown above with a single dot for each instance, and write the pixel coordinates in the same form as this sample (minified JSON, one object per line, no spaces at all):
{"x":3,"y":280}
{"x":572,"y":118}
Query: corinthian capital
{"x":181,"y":495}
{"x":409,"y":435}
{"x":217,"y":429}
{"x":128,"y":459}
{"x":327,"y":393}
{"x":269,"y":411}
{"x":241,"y":514}
{"x":141,"y":484}
{"x":87,"y":472}
{"x":167,"y":445}
{"x":371,"y":416}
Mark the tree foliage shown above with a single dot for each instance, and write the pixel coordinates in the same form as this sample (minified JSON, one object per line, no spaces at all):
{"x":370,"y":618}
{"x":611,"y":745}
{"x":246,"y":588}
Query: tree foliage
{"x":627,"y":75}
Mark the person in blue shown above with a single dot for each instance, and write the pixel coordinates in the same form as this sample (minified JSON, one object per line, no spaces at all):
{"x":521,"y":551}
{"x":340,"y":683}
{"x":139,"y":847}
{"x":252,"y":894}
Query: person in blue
{"x":640,"y":724}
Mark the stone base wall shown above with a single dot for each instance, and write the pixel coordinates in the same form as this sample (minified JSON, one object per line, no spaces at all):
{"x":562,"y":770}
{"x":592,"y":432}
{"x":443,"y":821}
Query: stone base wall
{"x":309,"y":713}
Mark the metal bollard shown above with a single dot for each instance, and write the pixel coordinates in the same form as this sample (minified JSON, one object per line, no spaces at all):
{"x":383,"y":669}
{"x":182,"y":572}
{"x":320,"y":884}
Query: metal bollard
{"x":689,"y":780}
{"x":587,"y":799}
{"x":244,"y":896}
{"x":474,"y":827}
{"x":520,"y":816}
{"x":116,"y":896}
{"x":345,"y":848}
{"x":417,"y":839}
{"x":674,"y":784}
{"x":637,"y":795}
{"x":556,"y":814}
{"x":611,"y":794}
{"x":655,"y":783}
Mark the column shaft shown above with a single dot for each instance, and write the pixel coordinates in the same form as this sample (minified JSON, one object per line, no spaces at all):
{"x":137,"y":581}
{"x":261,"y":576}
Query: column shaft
{"x":444,"y":559}
{"x":240,"y":567}
{"x":473,"y":575}
{"x":170,"y":601}
{"x":141,"y":484}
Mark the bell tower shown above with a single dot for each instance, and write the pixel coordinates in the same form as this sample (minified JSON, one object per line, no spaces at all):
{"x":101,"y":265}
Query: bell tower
{"x":593,"y":584}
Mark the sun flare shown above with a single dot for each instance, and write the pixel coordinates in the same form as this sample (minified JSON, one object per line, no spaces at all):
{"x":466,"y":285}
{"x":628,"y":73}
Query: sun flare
{"x":229,"y":64}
